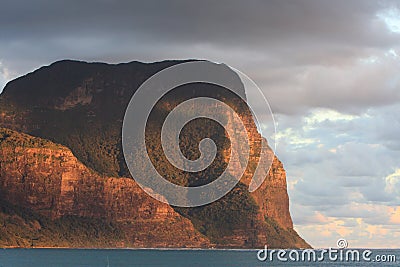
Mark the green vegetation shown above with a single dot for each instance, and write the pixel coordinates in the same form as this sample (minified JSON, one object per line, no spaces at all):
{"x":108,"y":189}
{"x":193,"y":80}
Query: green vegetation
{"x":9,"y":138}
{"x":235,"y":211}
{"x":282,"y":238}
{"x":18,"y":226}
{"x":94,"y":142}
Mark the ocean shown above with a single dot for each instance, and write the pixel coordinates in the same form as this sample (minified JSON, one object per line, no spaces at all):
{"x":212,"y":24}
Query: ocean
{"x":155,"y":257}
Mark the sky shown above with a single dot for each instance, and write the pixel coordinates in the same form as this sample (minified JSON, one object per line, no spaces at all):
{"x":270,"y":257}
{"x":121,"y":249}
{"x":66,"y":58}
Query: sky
{"x":329,"y":69}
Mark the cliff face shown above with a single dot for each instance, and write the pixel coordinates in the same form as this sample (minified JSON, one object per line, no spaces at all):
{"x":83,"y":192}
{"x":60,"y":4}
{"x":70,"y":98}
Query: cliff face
{"x":272,"y":223}
{"x":81,"y":107}
{"x":271,"y":196}
{"x":48,"y":179}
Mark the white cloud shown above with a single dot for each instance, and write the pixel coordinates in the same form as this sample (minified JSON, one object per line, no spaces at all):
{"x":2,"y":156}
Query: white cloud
{"x":391,"y":17}
{"x":323,"y":114}
{"x":393,"y":184}
{"x":4,"y":76}
{"x":347,"y":172}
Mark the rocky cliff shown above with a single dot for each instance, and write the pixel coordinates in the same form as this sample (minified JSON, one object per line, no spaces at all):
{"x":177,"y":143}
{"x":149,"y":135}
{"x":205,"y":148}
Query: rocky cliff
{"x":80,"y":106}
{"x":48,"y":179}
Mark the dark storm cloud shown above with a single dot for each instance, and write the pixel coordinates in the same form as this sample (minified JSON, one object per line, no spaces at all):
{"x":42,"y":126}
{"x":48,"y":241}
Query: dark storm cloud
{"x":196,"y":21}
{"x":265,"y":39}
{"x":277,"y":24}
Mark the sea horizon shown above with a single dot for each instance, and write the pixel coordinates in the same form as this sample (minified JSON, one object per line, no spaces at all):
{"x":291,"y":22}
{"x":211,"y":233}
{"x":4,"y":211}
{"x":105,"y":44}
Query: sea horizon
{"x":58,"y":257}
{"x":178,"y":249}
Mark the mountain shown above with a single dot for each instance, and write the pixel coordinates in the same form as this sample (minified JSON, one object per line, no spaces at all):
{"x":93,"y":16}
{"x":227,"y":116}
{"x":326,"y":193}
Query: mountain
{"x":62,"y":164}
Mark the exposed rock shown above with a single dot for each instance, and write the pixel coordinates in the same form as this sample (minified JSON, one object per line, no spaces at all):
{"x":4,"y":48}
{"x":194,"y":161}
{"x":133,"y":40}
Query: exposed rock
{"x":48,"y":179}
{"x":82,"y":95}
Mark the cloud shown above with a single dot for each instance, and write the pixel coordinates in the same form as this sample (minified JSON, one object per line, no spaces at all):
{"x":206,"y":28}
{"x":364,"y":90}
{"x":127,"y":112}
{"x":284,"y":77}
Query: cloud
{"x":345,"y":169}
{"x":359,"y":232}
{"x":352,"y":88}
{"x":5,"y":76}
{"x":392,"y":186}
{"x":290,"y":41}
{"x":395,"y":216}
{"x":391,"y":17}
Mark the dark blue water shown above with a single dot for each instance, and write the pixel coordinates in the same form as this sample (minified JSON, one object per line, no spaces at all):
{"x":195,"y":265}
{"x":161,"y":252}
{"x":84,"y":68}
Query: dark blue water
{"x":103,"y":258}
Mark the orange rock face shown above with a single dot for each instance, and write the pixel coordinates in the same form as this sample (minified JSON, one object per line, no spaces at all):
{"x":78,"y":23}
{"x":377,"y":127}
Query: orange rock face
{"x":48,"y":179}
{"x":52,"y":182}
{"x":271,"y":196}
